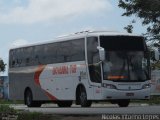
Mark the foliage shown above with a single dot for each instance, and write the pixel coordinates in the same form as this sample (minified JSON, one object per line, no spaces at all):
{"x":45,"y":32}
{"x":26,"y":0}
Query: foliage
{"x":148,"y":11}
{"x":30,"y":116}
{"x":7,"y":109}
{"x":129,"y":28}
{"x":4,"y":101}
{"x":154,"y":100}
{"x":2,"y":66}
{"x":9,"y":113}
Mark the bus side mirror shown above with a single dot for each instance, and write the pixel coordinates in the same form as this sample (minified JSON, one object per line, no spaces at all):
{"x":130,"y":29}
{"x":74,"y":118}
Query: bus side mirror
{"x":101,"y":53}
{"x":156,"y":55}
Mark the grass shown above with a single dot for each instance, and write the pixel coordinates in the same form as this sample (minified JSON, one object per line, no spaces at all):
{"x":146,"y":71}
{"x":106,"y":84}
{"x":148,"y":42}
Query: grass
{"x":7,"y":109}
{"x":152,"y":101}
{"x":3,"y":101}
{"x":33,"y":116}
{"x":8,"y":113}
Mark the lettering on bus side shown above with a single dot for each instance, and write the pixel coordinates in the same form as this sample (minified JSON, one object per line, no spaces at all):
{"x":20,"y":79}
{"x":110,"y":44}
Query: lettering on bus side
{"x":63,"y":70}
{"x":73,"y":69}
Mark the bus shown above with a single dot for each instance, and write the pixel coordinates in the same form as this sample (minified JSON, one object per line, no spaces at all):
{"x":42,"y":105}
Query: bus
{"x":84,"y":67}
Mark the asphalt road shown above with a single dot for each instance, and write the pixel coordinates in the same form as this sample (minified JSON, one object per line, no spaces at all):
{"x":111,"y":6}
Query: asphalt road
{"x":94,"y":110}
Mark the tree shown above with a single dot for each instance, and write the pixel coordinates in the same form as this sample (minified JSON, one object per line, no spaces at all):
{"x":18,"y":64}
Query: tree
{"x":148,"y":11}
{"x":129,"y":28}
{"x":2,"y":66}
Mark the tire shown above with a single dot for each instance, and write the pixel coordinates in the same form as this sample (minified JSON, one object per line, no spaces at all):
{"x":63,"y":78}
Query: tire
{"x":64,"y":103}
{"x":123,"y":103}
{"x":29,"y":100}
{"x":83,"y":98}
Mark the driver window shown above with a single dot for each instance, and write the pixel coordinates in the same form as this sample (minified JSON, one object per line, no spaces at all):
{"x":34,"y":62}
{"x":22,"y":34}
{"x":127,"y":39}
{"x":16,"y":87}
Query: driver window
{"x":93,"y":59}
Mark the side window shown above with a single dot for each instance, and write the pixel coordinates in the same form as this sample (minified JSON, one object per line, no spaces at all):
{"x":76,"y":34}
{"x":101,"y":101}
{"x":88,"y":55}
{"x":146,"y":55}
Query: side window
{"x":93,"y":59}
{"x":28,"y":56}
{"x":18,"y":57}
{"x":38,"y":55}
{"x":12,"y":59}
{"x":59,"y":57}
{"x":42,"y":54}
{"x":65,"y":51}
{"x":51,"y":53}
{"x":77,"y":50}
{"x":22,"y":56}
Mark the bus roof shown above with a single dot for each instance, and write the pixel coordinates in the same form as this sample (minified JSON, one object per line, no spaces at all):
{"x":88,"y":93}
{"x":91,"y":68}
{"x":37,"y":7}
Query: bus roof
{"x":78,"y":35}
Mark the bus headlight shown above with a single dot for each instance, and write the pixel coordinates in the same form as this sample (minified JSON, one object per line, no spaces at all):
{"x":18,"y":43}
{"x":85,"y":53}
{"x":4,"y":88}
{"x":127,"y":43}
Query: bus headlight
{"x":109,"y":86}
{"x":145,"y":86}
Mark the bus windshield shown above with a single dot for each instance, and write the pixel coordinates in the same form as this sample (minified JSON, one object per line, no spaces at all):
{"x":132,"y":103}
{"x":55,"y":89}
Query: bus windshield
{"x":126,"y":58}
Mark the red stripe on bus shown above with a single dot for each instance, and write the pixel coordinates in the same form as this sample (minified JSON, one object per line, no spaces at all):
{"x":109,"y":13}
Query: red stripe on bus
{"x":50,"y":96}
{"x":38,"y":73}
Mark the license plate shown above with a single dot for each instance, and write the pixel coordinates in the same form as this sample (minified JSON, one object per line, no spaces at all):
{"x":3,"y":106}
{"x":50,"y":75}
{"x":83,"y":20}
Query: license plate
{"x":129,"y":94}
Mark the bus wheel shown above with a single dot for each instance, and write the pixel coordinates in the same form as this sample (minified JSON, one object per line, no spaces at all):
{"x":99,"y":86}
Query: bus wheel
{"x":123,"y":103}
{"x":64,"y":103}
{"x":83,"y":98}
{"x":29,"y":100}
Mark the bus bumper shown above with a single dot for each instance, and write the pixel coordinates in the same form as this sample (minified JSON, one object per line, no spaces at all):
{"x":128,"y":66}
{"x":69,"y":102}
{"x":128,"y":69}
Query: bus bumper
{"x":112,"y":94}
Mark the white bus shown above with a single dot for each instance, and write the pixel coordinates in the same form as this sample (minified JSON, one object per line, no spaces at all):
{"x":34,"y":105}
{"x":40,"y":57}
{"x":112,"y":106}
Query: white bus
{"x":84,"y":67}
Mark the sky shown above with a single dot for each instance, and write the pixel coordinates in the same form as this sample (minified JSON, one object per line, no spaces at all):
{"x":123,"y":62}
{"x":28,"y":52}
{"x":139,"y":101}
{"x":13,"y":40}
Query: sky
{"x":31,"y":21}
